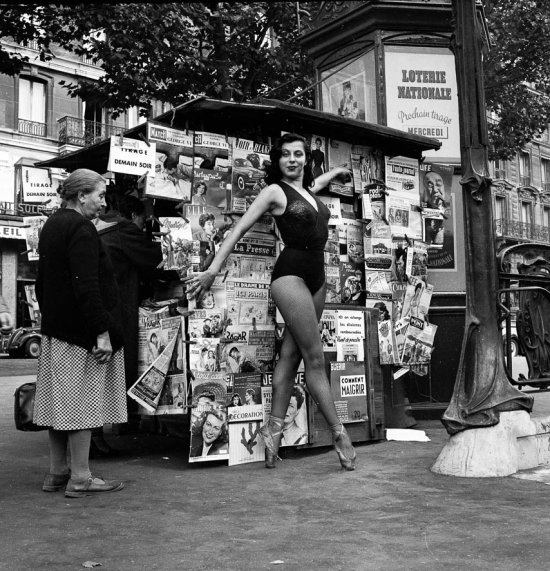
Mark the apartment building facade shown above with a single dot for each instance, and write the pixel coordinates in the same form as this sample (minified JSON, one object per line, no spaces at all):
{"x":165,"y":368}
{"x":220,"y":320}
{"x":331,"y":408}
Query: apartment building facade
{"x":38,"y":121}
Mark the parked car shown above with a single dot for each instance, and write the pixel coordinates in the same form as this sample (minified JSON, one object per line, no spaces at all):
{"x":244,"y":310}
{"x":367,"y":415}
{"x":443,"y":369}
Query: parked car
{"x":246,"y":174}
{"x":25,"y":342}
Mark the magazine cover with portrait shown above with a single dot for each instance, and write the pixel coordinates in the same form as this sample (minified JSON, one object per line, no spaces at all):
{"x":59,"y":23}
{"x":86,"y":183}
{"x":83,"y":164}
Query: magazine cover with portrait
{"x":439,"y":228}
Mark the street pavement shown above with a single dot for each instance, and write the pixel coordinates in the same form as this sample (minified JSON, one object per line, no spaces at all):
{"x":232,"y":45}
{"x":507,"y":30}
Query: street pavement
{"x":392,"y":513}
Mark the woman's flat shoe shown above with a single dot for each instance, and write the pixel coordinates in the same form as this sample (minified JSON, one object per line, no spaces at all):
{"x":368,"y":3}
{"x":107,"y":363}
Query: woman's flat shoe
{"x":272,"y":441}
{"x":55,"y":482}
{"x":91,"y":486}
{"x":342,"y":441}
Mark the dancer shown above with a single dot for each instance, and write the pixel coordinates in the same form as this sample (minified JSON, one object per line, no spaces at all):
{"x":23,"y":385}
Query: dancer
{"x":297,"y":284}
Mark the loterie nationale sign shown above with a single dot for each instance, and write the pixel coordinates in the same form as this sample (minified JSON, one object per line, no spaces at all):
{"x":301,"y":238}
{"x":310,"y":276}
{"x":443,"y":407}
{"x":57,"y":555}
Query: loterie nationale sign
{"x":422,"y":97}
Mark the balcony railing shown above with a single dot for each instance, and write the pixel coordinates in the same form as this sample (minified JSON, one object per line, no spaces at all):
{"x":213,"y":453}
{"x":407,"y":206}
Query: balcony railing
{"x":525,"y":180}
{"x":79,"y":132}
{"x":31,"y":127}
{"x":522,"y":230}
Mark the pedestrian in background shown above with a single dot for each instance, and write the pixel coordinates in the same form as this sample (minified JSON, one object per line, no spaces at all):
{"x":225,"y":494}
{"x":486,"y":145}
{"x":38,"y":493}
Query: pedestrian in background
{"x":80,"y":383}
{"x":135,"y":259}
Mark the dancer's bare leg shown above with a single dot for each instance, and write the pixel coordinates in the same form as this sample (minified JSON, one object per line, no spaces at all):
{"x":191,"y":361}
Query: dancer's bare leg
{"x":301,"y":312}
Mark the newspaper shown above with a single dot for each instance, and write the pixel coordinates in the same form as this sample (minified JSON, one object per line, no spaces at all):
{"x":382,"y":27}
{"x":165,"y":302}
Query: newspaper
{"x":386,"y":342}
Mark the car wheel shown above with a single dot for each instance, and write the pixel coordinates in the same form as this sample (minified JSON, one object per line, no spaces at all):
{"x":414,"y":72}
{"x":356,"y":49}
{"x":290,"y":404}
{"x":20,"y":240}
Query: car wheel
{"x":240,"y":183}
{"x":514,"y":347}
{"x":33,"y":348}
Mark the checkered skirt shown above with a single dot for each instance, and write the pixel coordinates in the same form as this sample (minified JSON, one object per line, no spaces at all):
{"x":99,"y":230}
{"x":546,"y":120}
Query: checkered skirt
{"x":74,"y":391}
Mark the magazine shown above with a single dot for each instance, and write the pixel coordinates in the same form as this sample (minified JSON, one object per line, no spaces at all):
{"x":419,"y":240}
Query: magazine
{"x":147,"y":389}
{"x":386,"y":342}
{"x":354,"y":241}
{"x":419,"y":340}
{"x":204,"y":354}
{"x":207,"y":323}
{"x":339,"y":153}
{"x":173,"y":397}
{"x":381,"y":301}
{"x":210,"y":187}
{"x":295,"y":428}
{"x":327,"y":326}
{"x":175,"y":242}
{"x":246,"y":390}
{"x":349,"y":390}
{"x":332,"y":277}
{"x":209,"y":432}
{"x":247,"y":302}
{"x":152,"y":337}
{"x":33,"y":226}
{"x":418,"y":295}
{"x":377,"y":197}
{"x":245,"y":443}
{"x":402,"y":176}
{"x":173,"y":164}
{"x":243,"y":358}
{"x":247,"y":172}
{"x":352,"y":284}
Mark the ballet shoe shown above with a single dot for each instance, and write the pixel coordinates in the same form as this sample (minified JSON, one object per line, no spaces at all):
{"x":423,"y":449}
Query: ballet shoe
{"x":342,"y":441}
{"x":272,"y":441}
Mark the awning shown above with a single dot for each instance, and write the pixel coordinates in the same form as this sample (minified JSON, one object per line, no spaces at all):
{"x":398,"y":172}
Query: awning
{"x":252,"y":120}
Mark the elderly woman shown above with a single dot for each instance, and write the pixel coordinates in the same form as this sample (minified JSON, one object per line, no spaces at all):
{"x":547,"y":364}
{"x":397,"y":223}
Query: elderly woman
{"x":80,"y":383}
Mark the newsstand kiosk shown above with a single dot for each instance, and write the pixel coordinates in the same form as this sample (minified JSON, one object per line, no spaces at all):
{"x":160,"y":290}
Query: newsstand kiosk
{"x":197,"y":168}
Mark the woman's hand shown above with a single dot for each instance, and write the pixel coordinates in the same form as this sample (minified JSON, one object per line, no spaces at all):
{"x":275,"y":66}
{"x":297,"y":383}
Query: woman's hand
{"x":103,"y":349}
{"x":199,"y":283}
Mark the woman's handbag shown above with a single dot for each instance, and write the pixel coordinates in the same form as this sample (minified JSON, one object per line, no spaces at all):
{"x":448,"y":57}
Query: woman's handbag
{"x":23,"y":408}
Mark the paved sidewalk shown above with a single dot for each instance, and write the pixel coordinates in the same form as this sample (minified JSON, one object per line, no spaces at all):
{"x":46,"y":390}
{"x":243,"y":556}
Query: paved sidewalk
{"x":392,"y":513}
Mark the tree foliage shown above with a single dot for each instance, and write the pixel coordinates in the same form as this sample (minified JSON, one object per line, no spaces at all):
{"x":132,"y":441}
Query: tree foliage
{"x":169,"y":52}
{"x":517,"y":72}
{"x":175,"y":51}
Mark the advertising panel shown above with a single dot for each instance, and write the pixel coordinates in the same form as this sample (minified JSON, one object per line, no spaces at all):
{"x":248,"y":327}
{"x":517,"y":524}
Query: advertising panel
{"x":422,"y":97}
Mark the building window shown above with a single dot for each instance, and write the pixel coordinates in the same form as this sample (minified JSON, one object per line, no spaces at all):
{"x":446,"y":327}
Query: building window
{"x":545,"y":173}
{"x":31,"y":111}
{"x":500,"y":214}
{"x":526,"y":217}
{"x":499,"y":169}
{"x":500,"y":207}
{"x":524,"y":169}
{"x":546,"y":217}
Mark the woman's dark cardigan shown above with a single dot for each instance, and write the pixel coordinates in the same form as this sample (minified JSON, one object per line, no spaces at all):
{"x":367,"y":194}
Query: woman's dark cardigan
{"x":76,"y":288}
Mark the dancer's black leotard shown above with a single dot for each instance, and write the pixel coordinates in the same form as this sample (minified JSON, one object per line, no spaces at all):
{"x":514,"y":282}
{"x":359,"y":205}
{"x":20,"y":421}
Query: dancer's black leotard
{"x":304,"y":231}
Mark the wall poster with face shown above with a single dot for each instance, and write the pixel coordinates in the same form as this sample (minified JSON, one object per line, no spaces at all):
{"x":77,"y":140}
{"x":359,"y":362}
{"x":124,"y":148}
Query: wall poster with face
{"x":439,"y":231}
